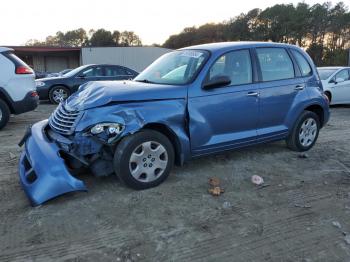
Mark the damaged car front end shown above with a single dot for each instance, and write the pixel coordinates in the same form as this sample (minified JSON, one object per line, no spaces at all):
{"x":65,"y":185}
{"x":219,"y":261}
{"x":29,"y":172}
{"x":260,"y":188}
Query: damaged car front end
{"x":82,"y":133}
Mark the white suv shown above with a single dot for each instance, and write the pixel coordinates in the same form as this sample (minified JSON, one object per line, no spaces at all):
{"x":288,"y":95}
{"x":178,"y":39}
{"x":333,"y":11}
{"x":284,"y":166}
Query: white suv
{"x":17,"y":86}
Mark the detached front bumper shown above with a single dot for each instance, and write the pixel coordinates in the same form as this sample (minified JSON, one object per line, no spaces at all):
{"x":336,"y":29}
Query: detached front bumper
{"x":43,"y":173}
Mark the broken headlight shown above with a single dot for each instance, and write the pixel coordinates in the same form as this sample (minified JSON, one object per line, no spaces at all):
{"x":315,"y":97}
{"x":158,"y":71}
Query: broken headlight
{"x":111,"y":129}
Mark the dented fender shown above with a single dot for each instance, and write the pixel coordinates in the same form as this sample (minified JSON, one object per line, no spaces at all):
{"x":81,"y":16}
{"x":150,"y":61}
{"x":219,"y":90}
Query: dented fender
{"x":136,"y":116}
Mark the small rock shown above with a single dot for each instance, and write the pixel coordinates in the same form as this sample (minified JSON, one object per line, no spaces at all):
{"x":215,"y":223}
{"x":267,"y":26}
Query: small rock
{"x":214,"y":181}
{"x":347,"y":239}
{"x":303,"y":155}
{"x":226,"y":205}
{"x":12,"y":156}
{"x":257,"y":180}
{"x":336,"y":224}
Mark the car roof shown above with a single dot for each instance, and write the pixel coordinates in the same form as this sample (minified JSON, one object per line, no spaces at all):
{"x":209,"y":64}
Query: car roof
{"x":213,"y":47}
{"x":5,"y":49}
{"x":332,"y":67}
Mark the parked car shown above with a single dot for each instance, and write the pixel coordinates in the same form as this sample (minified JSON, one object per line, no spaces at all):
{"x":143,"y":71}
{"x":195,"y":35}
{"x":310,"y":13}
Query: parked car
{"x":336,"y":84}
{"x":189,"y":103}
{"x":17,"y":86}
{"x":57,"y":89}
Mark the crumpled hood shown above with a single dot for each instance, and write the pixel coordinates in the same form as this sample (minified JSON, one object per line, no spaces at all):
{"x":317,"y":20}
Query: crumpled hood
{"x":99,"y":93}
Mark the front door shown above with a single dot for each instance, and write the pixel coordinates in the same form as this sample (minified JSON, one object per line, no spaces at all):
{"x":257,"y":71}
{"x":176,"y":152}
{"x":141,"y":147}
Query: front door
{"x":94,"y":73}
{"x":341,"y":87}
{"x":225,"y":117}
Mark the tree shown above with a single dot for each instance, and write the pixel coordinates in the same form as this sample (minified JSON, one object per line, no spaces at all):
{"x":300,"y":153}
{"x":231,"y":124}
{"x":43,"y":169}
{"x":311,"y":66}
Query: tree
{"x":102,"y":37}
{"x":323,"y":30}
{"x":79,"y":37}
{"x":129,"y":38}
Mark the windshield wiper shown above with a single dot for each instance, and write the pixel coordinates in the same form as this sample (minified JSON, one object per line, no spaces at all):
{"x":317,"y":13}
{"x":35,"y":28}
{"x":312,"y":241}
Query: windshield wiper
{"x":145,"y":81}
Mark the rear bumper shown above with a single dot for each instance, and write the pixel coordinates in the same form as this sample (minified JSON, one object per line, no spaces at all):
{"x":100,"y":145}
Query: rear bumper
{"x":43,"y":173}
{"x":28,"y":103}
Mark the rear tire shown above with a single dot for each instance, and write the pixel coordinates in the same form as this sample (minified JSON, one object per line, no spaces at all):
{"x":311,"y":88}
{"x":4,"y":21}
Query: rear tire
{"x":305,"y":132}
{"x":144,"y":160}
{"x":58,"y":94}
{"x":4,"y":114}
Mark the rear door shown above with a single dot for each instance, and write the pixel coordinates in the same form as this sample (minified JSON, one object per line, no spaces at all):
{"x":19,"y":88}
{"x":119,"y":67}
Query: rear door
{"x":280,"y":82}
{"x":116,"y":73}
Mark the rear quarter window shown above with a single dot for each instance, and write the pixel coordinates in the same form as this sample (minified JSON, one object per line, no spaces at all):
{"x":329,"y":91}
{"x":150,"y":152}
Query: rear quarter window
{"x":14,"y":59}
{"x":275,"y":64}
{"x":303,"y":64}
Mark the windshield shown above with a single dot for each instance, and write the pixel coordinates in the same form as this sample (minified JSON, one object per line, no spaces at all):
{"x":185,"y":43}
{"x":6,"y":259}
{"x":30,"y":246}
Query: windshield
{"x":325,"y":73}
{"x":175,"y":68}
{"x":75,"y":71}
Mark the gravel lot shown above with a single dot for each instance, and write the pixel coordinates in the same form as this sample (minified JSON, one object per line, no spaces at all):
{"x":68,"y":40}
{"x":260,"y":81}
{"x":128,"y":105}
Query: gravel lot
{"x":302,"y":215}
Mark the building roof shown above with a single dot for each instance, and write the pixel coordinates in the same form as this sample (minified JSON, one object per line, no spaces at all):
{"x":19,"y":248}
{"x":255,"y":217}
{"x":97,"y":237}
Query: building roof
{"x":43,"y":49}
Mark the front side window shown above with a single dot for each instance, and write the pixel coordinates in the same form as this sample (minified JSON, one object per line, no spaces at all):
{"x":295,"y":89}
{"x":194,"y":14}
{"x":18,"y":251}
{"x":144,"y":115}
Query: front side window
{"x":93,"y":72}
{"x":342,"y":76}
{"x":174,"y":68}
{"x":236,"y":65}
{"x":275,"y":64}
{"x":303,"y":64}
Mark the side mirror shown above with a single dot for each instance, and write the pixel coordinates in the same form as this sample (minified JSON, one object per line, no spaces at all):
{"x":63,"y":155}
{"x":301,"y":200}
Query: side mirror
{"x":217,"y":81}
{"x":81,"y":76}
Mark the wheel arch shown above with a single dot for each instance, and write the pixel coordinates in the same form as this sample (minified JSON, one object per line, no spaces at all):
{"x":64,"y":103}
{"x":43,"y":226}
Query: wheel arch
{"x":171,"y":135}
{"x":330,"y":94}
{"x":318,"y":110}
{"x":55,"y":85}
{"x":5,"y":97}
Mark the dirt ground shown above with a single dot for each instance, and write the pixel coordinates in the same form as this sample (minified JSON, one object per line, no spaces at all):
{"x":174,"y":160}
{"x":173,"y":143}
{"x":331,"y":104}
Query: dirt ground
{"x":301,"y":215}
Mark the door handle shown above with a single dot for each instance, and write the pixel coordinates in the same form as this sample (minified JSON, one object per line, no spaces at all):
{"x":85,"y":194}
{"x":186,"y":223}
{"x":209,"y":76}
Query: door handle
{"x":299,"y":87}
{"x":253,"y":94}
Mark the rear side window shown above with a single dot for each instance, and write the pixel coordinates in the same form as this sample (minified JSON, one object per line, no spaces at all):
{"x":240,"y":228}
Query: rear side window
{"x":236,"y":65}
{"x":14,"y":59}
{"x":275,"y":64}
{"x":115,"y":71}
{"x":304,"y":66}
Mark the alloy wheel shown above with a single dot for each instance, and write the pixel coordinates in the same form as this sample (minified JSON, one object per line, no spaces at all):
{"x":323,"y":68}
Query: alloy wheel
{"x":308,"y":132}
{"x":148,"y":161}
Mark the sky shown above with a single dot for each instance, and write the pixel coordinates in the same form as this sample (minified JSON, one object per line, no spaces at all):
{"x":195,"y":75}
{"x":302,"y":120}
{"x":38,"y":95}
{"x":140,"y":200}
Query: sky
{"x":153,"y":20}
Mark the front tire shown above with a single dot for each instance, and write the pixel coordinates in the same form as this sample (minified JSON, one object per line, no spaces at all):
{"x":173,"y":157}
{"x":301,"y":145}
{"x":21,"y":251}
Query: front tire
{"x":305,"y":132}
{"x":58,"y":94}
{"x":4,"y":114}
{"x":329,"y":96}
{"x":144,"y":160}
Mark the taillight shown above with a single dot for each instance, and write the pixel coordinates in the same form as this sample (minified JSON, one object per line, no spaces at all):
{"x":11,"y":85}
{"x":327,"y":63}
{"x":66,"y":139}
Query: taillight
{"x":20,"y":70}
{"x":33,"y":94}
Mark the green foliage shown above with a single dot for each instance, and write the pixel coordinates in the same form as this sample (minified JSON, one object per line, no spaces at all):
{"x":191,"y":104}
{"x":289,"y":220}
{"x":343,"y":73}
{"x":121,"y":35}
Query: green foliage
{"x":323,"y":30}
{"x":79,"y":37}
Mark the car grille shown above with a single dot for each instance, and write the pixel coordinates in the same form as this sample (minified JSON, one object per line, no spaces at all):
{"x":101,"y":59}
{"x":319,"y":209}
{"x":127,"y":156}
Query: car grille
{"x":63,"y":120}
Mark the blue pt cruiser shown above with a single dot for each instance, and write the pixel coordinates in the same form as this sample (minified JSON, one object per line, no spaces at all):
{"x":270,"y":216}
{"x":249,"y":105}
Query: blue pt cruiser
{"x":190,"y":102}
